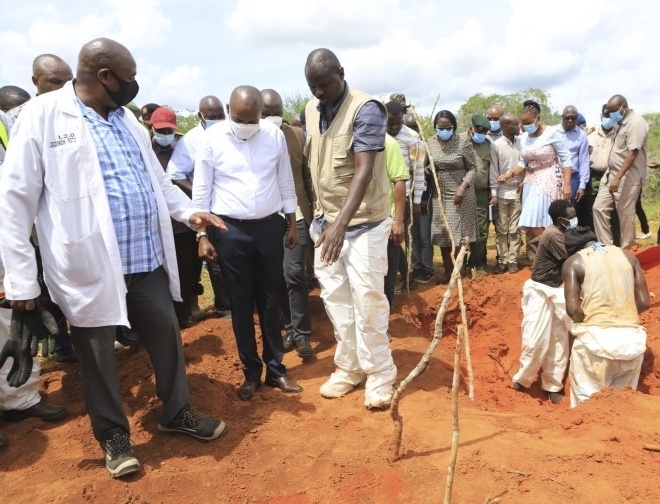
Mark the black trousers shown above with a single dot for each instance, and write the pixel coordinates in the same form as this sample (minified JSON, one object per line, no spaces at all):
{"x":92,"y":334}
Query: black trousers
{"x":186,"y":251}
{"x":251,"y":255}
{"x":295,"y":302}
{"x":151,"y":314}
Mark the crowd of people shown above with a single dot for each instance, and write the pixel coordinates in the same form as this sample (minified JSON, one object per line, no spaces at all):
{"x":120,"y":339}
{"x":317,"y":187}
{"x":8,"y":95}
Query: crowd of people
{"x":112,"y":216}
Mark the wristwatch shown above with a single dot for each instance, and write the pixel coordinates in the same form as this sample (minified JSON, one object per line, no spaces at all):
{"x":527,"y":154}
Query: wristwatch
{"x":200,"y":234}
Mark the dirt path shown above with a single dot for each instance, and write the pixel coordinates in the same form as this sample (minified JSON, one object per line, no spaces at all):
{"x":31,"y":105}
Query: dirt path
{"x":304,"y":449}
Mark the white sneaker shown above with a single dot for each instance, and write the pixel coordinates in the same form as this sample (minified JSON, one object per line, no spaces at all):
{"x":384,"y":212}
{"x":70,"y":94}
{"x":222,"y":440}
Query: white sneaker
{"x":379,"y":399}
{"x":339,"y":384}
{"x":379,"y":388}
{"x":643,"y":236}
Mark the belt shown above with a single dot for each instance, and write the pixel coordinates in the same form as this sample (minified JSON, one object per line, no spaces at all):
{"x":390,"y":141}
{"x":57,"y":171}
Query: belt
{"x":249,"y":221}
{"x":540,"y":166}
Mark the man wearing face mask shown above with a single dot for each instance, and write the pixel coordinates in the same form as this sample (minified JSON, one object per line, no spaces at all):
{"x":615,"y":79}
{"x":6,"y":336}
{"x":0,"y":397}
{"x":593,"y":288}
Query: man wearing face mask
{"x":494,"y":114}
{"x":102,"y":205}
{"x":505,"y":193}
{"x":626,"y":171}
{"x":182,"y":165}
{"x":600,"y":145}
{"x":576,"y":142}
{"x":478,"y":136}
{"x":295,"y":304}
{"x":181,"y":170}
{"x":243,"y":175}
{"x":163,"y":126}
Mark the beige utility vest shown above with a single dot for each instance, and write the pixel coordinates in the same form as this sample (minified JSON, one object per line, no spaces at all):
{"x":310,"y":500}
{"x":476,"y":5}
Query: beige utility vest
{"x":608,"y":290}
{"x":331,"y":161}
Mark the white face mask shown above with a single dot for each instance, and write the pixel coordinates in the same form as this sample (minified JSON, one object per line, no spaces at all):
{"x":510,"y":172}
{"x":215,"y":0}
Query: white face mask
{"x":243,"y":131}
{"x":276,"y":120}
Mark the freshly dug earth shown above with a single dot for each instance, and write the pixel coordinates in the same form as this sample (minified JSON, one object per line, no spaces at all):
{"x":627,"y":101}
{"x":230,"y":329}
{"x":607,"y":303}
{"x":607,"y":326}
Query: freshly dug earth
{"x":302,"y":449}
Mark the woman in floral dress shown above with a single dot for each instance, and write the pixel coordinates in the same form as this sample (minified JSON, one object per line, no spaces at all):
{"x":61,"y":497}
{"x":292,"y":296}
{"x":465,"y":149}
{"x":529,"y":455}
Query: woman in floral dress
{"x":455,"y":163}
{"x":546,"y":162}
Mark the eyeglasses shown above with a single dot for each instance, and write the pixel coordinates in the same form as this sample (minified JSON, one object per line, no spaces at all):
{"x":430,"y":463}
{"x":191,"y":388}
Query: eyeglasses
{"x":569,"y":118}
{"x":449,"y":128}
{"x":481,"y":130}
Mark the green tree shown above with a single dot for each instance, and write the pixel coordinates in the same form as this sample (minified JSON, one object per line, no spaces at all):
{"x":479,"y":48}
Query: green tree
{"x":186,"y":120}
{"x":295,"y":104}
{"x":653,"y":184}
{"x":512,"y":103}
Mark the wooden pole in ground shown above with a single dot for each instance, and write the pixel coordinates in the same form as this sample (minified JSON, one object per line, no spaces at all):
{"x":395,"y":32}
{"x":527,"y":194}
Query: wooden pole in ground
{"x":426,"y":358}
{"x":454,"y":414}
{"x":466,"y":340}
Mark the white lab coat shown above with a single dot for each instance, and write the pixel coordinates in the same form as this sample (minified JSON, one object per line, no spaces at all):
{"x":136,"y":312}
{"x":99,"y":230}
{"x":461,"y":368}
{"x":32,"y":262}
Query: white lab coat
{"x":51,"y":172}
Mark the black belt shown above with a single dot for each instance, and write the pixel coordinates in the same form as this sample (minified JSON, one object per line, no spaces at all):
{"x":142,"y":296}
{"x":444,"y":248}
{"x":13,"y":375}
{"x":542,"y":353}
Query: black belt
{"x":249,"y":221}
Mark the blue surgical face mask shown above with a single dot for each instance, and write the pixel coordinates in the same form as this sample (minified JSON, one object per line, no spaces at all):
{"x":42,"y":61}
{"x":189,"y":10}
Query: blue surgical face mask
{"x":495,"y":125}
{"x":210,"y":122}
{"x":443,"y":134}
{"x":607,"y":123}
{"x":572,"y":223}
{"x":163,"y":140}
{"x":531,"y":128}
{"x":478,"y":138}
{"x":616,"y":116}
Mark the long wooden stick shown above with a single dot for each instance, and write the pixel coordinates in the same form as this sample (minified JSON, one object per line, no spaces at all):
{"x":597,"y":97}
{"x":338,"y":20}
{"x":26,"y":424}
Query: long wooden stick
{"x":466,"y":340}
{"x":454,"y":414}
{"x":426,"y":358}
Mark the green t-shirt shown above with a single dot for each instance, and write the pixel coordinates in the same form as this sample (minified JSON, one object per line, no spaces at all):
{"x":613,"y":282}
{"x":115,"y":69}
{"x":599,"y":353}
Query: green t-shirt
{"x":395,"y":165}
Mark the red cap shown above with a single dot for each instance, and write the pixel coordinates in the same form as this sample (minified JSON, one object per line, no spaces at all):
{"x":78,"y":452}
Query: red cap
{"x":163,"y":118}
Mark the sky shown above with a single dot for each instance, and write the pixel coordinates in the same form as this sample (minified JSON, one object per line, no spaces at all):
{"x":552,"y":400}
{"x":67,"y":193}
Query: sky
{"x":580,"y":52}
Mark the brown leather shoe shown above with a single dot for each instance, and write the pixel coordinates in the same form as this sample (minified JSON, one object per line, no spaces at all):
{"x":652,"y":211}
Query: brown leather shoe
{"x":247,"y":389}
{"x":284,"y":383}
{"x":47,"y":412}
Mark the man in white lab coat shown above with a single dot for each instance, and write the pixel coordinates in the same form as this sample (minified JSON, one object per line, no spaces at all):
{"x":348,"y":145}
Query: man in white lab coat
{"x":83,"y":166}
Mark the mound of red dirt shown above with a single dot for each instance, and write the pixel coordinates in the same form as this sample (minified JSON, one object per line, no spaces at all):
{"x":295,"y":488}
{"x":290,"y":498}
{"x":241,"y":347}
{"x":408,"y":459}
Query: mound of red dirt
{"x":300,"y":449}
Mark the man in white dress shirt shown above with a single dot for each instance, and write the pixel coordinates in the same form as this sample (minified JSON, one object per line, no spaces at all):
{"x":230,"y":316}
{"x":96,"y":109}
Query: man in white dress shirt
{"x":243,"y":174}
{"x":181,"y":169}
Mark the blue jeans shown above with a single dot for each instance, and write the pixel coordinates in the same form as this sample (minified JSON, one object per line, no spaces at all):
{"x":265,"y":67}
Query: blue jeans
{"x":422,"y":249}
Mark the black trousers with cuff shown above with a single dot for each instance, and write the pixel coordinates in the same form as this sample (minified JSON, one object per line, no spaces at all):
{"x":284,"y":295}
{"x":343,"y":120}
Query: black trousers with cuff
{"x":151,"y":314}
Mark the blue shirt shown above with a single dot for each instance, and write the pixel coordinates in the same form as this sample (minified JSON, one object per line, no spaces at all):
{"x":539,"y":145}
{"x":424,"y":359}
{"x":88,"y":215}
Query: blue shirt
{"x":130,"y":194}
{"x":578,"y":146}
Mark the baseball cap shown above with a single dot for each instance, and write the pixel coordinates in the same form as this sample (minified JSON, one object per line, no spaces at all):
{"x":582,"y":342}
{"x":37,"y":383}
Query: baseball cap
{"x":163,"y":117}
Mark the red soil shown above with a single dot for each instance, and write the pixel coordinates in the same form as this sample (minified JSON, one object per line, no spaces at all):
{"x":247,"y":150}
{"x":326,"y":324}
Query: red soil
{"x":304,"y":449}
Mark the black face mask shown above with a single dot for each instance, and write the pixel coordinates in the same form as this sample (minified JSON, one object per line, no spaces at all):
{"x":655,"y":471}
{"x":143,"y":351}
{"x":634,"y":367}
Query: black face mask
{"x":127,"y":91}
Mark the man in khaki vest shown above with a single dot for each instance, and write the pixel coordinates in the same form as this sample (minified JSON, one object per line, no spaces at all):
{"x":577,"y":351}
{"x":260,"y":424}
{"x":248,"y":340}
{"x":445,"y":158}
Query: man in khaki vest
{"x":345,"y":140}
{"x":605,"y":291}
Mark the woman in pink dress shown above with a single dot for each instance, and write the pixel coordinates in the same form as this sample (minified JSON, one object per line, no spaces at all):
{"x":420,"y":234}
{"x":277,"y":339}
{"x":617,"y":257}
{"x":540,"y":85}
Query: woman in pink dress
{"x":546,"y":162}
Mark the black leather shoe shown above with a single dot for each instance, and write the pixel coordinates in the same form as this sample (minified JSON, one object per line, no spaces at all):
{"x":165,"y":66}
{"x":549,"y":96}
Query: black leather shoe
{"x":501,"y":268}
{"x":127,"y":336}
{"x":47,"y":412}
{"x":304,"y":349}
{"x":247,"y":390}
{"x":284,"y":383}
{"x":288,"y":342}
{"x":67,"y":357}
